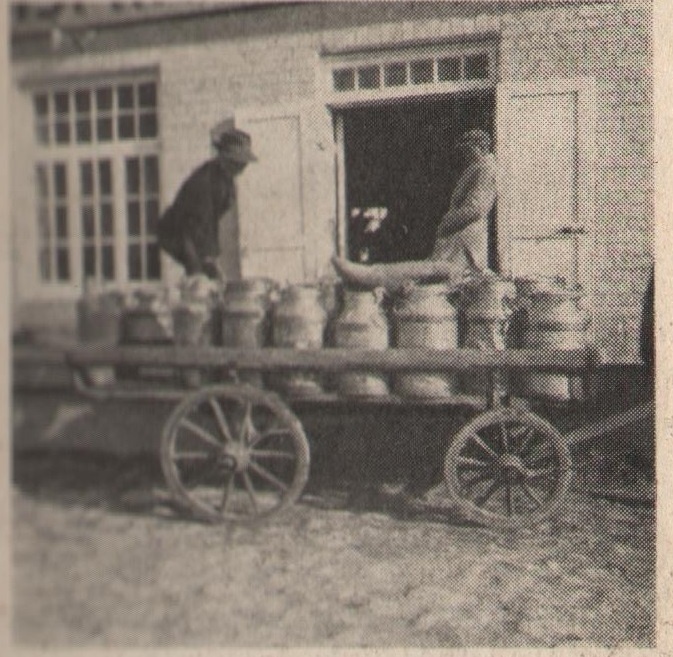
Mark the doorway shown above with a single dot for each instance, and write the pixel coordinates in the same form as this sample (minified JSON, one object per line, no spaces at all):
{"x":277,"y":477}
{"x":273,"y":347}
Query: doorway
{"x":401,"y":168}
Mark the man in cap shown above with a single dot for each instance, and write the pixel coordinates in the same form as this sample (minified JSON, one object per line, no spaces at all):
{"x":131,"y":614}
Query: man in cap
{"x":189,"y":229}
{"x":461,"y":242}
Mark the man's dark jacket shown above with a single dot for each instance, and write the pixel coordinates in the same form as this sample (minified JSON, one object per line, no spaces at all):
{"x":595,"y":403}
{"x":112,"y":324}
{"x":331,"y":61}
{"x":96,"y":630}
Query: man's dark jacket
{"x":195,"y":214}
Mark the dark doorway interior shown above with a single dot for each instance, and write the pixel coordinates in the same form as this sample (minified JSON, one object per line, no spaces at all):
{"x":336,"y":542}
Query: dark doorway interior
{"x":401,"y":164}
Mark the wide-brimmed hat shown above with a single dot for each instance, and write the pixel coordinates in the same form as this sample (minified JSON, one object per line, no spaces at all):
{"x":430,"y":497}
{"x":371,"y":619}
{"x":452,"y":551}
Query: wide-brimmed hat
{"x":479,"y":138}
{"x":234,"y":144}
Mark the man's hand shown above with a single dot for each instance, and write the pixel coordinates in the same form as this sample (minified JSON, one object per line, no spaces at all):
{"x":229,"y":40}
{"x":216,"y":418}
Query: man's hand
{"x":212,"y":269}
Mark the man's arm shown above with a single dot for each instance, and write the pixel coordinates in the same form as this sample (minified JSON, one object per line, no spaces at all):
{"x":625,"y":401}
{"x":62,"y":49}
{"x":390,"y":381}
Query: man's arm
{"x":476,"y":205}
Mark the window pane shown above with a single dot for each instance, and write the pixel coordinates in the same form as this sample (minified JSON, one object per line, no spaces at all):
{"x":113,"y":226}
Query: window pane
{"x":135,"y":266}
{"x":89,"y":261}
{"x":106,"y":219}
{"x":148,"y":94}
{"x":476,"y":67}
{"x":84,"y":130}
{"x":60,"y":183}
{"x":148,"y":125}
{"x":104,"y":129}
{"x":104,"y":98}
{"x":395,"y":74}
{"x":108,"y":263}
{"x":83,"y":101}
{"x":133,"y":210}
{"x":62,"y":102}
{"x":42,"y":133}
{"x":153,"y":261}
{"x":152,"y":216}
{"x":45,"y":264}
{"x":126,"y":127}
{"x":105,"y":177}
{"x":61,"y":221}
{"x":448,"y":68}
{"x":42,"y":181}
{"x":62,"y":132}
{"x":41,"y":105}
{"x":63,"y":264}
{"x":151,"y":175}
{"x":369,"y":77}
{"x":43,"y":223}
{"x":132,"y":175}
{"x":343,"y":79}
{"x":421,"y":71}
{"x":125,"y":96}
{"x":86,"y":178}
{"x":88,"y":224}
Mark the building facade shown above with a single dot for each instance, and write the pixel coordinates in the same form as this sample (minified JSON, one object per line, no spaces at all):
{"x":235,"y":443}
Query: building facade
{"x":352,"y":108}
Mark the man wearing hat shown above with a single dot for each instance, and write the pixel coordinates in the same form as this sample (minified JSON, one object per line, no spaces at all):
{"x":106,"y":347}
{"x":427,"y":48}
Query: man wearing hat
{"x":189,"y":229}
{"x":461,"y":243}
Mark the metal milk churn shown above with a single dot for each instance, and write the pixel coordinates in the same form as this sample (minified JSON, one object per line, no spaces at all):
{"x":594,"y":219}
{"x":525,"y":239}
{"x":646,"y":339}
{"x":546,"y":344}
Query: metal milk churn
{"x":150,"y":320}
{"x":299,"y":320}
{"x":487,"y":308}
{"x":195,"y":319}
{"x":99,"y":317}
{"x":245,"y":318}
{"x":556,"y":319}
{"x":425,"y":318}
{"x":362,"y":324}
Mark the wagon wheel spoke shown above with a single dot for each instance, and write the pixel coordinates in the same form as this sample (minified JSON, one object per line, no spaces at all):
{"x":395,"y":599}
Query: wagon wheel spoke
{"x":192,"y":456}
{"x":200,"y":432}
{"x":475,"y":438}
{"x":528,"y":436}
{"x":531,"y":494}
{"x":540,"y":473}
{"x":247,"y":427}
{"x":488,"y":493}
{"x":471,"y":483}
{"x":504,"y":438}
{"x":247,"y":482}
{"x":509,"y":499}
{"x":221,"y":420}
{"x":265,"y":474}
{"x":472,"y":463}
{"x":272,"y":454}
{"x":227,"y":490}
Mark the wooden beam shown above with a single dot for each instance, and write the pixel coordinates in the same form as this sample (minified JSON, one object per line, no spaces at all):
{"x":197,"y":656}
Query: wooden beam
{"x":336,"y":360}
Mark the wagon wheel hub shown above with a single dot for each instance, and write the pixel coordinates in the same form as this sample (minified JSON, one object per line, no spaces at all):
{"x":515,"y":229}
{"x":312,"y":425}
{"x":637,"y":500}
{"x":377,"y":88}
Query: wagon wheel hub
{"x":511,"y":467}
{"x":236,"y":457}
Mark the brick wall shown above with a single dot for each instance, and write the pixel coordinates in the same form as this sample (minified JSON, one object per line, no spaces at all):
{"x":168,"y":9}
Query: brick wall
{"x":266,"y":60}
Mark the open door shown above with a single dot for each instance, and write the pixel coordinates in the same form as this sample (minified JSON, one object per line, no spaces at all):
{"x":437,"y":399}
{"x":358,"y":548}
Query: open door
{"x":287,"y":199}
{"x":545,"y":138}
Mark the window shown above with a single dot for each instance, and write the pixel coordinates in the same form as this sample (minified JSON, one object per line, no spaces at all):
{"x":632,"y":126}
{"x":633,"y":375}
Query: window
{"x":411,"y":71}
{"x":97,"y":179}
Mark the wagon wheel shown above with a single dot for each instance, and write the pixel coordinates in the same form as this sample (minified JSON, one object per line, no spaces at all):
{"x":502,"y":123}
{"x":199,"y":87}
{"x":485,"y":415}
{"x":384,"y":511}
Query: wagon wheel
{"x":234,"y":453}
{"x":508,"y":468}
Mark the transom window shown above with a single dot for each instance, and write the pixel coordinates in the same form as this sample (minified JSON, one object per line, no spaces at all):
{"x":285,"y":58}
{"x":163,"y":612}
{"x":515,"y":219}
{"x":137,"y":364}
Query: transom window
{"x":97,"y":181}
{"x":410,"y":71}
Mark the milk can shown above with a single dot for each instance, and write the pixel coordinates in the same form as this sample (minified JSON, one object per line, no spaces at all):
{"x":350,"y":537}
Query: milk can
{"x":149,"y":320}
{"x":299,"y":320}
{"x":487,"y":309}
{"x":99,"y":321}
{"x":425,"y":318}
{"x":556,"y":319}
{"x":362,"y":324}
{"x":245,"y":318}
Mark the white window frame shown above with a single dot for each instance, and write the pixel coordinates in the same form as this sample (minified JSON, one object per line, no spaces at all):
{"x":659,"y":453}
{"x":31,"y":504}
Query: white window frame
{"x":359,"y":96}
{"x":72,"y":153}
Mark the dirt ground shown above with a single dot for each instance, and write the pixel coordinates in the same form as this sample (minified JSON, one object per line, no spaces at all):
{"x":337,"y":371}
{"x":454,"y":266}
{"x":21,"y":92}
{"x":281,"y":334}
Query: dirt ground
{"x":102,"y":558}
